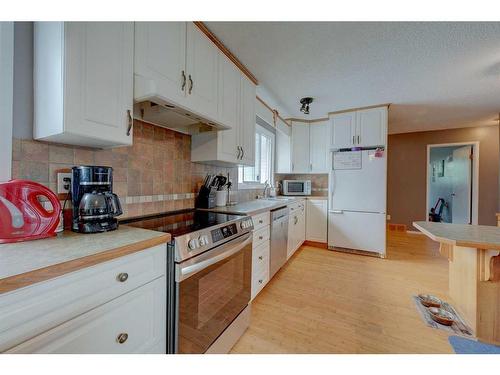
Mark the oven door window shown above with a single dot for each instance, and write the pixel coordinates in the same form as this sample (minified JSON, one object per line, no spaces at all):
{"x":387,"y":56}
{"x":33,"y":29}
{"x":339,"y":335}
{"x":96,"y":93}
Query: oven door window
{"x":211,"y":299}
{"x":296,"y":187}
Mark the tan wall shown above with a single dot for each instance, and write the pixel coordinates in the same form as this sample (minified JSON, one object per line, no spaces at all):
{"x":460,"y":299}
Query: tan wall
{"x":407,"y":171}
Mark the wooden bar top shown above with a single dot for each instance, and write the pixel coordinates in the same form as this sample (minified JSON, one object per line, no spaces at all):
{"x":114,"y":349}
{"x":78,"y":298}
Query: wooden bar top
{"x":29,"y":262}
{"x":476,"y":236}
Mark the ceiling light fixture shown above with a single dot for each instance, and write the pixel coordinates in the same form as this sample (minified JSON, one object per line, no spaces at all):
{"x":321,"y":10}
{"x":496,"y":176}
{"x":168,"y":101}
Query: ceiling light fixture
{"x":305,"y":104}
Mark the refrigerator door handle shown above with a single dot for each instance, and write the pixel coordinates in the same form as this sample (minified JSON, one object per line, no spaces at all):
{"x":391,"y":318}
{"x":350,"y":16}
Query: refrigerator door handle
{"x":337,"y":212}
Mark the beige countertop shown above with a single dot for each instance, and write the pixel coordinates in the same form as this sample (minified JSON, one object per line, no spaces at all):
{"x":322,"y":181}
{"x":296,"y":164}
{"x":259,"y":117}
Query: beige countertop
{"x":476,"y":236}
{"x":29,"y":262}
{"x":257,"y":206}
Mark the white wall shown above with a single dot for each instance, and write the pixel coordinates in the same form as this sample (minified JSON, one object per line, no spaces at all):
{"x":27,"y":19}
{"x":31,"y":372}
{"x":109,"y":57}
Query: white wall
{"x":6,"y":91}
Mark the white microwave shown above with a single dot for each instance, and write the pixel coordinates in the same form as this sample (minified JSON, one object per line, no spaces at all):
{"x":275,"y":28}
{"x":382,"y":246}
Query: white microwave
{"x":296,"y":187}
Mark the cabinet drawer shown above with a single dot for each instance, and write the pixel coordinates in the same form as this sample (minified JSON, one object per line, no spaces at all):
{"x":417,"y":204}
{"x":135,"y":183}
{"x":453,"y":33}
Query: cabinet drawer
{"x":259,"y":281}
{"x":296,"y":206}
{"x":261,"y":220}
{"x":260,"y":259}
{"x":29,"y":311}
{"x":261,"y":236}
{"x":132,"y":323}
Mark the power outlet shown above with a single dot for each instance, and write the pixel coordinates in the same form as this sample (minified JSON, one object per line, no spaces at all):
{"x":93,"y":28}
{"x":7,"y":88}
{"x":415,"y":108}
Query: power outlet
{"x":388,"y":217}
{"x":63,"y":183}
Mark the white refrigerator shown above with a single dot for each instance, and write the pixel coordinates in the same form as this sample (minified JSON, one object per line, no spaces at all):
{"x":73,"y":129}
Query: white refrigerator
{"x":358,"y":197}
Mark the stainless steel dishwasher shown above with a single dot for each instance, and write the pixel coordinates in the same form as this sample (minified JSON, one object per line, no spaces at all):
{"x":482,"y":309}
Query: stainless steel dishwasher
{"x":279,"y":239}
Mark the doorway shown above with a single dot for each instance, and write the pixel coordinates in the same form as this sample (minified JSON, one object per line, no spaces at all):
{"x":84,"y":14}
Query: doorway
{"x":452,"y":183}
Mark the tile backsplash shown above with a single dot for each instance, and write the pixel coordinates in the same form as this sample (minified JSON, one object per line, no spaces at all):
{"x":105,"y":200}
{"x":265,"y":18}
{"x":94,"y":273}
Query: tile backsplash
{"x":319,"y":182}
{"x":154,"y":175}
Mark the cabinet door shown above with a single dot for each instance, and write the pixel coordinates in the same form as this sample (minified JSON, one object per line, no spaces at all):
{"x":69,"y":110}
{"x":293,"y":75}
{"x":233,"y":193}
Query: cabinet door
{"x":319,"y":147}
{"x":160,"y":61}
{"x":139,"y":314}
{"x":292,"y":235}
{"x":201,"y":65}
{"x":300,"y":148}
{"x":247,"y":125}
{"x":282,"y":152}
{"x":343,"y":128}
{"x":371,"y":127}
{"x":99,"y":80}
{"x":316,"y":220}
{"x":229,"y":109}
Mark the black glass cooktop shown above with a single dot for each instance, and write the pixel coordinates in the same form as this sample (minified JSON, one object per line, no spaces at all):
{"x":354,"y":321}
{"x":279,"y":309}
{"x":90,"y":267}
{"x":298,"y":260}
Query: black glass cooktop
{"x":180,"y":222}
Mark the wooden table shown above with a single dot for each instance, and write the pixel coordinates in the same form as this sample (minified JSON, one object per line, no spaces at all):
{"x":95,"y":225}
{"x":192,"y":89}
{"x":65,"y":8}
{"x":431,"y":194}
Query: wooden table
{"x":474,"y":272}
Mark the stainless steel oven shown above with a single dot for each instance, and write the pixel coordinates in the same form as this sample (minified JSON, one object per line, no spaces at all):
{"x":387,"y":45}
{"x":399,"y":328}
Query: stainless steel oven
{"x":296,"y":187}
{"x":213,"y":289}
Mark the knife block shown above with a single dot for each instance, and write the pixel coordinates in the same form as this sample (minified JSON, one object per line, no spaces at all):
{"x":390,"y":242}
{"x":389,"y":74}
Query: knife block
{"x":206,"y":198}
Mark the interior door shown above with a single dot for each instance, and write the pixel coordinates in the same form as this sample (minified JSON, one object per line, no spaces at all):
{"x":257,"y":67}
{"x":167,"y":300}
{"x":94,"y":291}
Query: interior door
{"x":462,"y":185}
{"x":99,"y":79}
{"x":319,"y":147}
{"x":371,"y":127}
{"x":300,"y":148}
{"x":160,"y":60}
{"x":343,"y":130}
{"x":201,"y":62}
{"x":229,"y":109}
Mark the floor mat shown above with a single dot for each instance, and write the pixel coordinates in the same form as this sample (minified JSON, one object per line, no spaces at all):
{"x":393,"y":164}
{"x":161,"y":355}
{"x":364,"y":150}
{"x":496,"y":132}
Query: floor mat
{"x":466,"y":346}
{"x":458,"y":328}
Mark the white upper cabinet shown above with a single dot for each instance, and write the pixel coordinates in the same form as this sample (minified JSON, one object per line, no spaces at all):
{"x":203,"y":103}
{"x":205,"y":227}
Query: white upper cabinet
{"x":363,"y":128}
{"x":83,"y":82}
{"x":318,"y":146}
{"x":372,"y":127}
{"x":229,"y":109}
{"x":310,"y":147}
{"x":283,"y":144}
{"x":247,"y":124}
{"x":343,"y":130}
{"x":300,"y":148}
{"x":177,"y":65}
{"x":160,"y":60}
{"x":201,"y":67}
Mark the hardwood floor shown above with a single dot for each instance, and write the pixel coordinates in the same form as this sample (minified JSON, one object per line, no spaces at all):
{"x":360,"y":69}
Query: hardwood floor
{"x":323,"y":301}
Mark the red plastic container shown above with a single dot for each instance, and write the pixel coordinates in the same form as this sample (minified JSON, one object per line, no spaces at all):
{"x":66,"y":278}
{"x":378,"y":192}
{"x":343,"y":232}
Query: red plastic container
{"x":22,"y":216}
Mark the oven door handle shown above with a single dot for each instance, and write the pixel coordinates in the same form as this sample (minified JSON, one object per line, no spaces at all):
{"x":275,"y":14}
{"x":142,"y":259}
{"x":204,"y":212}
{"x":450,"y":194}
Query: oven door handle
{"x":183,"y":272}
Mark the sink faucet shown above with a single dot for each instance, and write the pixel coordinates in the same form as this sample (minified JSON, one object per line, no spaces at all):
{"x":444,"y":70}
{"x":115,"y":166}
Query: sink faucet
{"x":266,"y":189}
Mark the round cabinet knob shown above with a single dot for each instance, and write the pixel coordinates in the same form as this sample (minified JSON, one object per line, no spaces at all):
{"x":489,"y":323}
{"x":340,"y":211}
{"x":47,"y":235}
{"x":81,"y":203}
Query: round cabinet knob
{"x":261,"y":257}
{"x":261,"y":281}
{"x":193,"y":244}
{"x":260,"y":237}
{"x":122,"y":277}
{"x":122,"y":337}
{"x":261,"y":221}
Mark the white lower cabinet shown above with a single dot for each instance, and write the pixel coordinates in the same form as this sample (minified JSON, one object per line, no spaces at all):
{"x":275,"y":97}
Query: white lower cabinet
{"x":296,"y":227}
{"x":260,"y":252}
{"x":132,"y":323}
{"x":85,"y":311}
{"x":316,"y":220}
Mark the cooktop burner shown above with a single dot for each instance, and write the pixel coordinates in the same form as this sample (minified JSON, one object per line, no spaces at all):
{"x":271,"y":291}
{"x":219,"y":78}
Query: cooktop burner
{"x":180,"y":222}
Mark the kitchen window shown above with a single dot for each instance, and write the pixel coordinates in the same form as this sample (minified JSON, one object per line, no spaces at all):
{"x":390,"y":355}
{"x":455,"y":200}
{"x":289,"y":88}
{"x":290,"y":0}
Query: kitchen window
{"x":255,"y":177}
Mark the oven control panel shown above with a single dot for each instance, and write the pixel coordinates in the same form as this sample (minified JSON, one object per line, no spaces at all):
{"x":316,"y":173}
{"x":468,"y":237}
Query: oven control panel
{"x":222,"y":233}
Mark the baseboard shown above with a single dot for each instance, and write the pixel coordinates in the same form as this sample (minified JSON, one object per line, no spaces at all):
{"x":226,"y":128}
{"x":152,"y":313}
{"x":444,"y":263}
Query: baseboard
{"x":321,"y":245}
{"x":414,"y":232}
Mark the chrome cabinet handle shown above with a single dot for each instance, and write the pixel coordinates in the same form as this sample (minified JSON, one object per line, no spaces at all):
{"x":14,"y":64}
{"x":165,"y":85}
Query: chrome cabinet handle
{"x":122,"y":337}
{"x":190,"y":84}
{"x":242,"y":152}
{"x":353,"y":139}
{"x":310,"y":167}
{"x":183,"y":81}
{"x":238,"y":156}
{"x":122,"y":277}
{"x":295,"y":220}
{"x":130,"y":122}
{"x":359,"y":139}
{"x":261,"y":221}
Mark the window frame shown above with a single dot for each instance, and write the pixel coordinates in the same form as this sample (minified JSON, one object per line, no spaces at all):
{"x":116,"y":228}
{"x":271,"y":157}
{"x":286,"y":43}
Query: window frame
{"x":254,"y":184}
{"x":6,"y":98}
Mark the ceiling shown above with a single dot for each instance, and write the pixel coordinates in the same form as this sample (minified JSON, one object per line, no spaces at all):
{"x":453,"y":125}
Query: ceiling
{"x":435,"y":75}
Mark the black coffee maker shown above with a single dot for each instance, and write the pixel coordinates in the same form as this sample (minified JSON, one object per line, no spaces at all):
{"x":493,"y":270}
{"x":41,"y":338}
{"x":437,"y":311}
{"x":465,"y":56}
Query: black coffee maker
{"x":95,"y":207}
